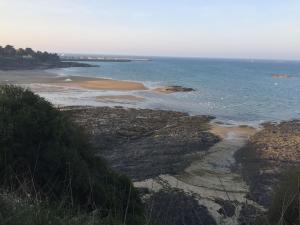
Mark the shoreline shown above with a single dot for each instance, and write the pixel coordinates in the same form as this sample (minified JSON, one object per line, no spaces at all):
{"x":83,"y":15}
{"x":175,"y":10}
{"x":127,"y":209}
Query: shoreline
{"x":49,"y":78}
{"x":19,"y":63}
{"x":125,"y":93}
{"x":85,"y":82}
{"x":167,"y":150}
{"x":204,"y":167}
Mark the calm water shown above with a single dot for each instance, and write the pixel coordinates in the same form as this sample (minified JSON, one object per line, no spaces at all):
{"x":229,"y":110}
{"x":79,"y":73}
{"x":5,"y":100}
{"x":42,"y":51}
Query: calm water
{"x":236,"y":91}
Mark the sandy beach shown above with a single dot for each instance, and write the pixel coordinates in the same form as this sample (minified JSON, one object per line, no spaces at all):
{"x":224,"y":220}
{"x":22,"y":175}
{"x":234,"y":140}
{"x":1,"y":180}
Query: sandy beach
{"x":106,"y":84}
{"x":54,"y":82}
{"x":224,"y":131}
{"x":40,"y":76}
{"x":117,"y":85}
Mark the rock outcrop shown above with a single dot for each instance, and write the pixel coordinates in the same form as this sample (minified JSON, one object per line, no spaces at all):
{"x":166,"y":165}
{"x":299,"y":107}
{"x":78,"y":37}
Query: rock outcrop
{"x":173,"y":89}
{"x":145,"y":143}
{"x":267,"y":155}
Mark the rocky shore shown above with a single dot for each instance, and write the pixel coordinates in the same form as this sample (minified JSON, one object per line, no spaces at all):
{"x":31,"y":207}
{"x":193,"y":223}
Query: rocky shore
{"x":145,"y":143}
{"x":190,"y":166}
{"x":181,"y":162}
{"x":267,"y":155}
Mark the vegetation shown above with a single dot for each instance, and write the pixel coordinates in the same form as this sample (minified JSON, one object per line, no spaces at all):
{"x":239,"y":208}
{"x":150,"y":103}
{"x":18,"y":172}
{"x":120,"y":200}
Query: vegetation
{"x":45,"y":156}
{"x":14,"y":59}
{"x":285,"y":208}
{"x":27,"y":211}
{"x":28,"y":53}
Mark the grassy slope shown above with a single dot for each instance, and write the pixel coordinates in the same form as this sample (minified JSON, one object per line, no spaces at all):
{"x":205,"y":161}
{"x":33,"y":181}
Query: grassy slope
{"x":46,"y":157}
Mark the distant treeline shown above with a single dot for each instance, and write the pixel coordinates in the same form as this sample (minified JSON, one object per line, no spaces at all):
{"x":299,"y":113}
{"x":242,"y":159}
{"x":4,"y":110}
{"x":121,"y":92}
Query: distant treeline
{"x":28,"y":53}
{"x":20,"y":59}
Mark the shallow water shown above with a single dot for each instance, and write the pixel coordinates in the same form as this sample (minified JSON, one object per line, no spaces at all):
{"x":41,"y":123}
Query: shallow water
{"x":235,"y":91}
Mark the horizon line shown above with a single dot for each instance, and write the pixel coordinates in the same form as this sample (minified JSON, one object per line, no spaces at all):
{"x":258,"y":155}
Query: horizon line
{"x":183,"y":57}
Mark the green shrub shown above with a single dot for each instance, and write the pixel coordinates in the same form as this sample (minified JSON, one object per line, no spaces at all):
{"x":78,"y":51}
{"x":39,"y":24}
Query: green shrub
{"x":43,"y":151}
{"x":28,"y":211}
{"x":285,"y":207}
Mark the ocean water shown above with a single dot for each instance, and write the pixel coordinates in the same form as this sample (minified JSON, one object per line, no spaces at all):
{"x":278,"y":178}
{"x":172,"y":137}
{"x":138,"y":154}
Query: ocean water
{"x":235,"y":91}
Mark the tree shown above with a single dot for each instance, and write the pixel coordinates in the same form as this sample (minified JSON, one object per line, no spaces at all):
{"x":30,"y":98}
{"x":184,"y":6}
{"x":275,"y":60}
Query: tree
{"x":21,"y":52}
{"x":9,"y":50}
{"x":29,"y":51}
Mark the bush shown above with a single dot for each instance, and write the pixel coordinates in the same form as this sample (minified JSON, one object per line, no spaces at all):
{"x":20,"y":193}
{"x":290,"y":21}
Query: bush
{"x":285,"y":207}
{"x":27,"y":211}
{"x":43,"y":151}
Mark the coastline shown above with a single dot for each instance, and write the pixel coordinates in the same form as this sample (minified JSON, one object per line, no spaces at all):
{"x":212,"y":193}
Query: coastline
{"x":45,"y":77}
{"x":63,"y":90}
{"x":213,"y":95}
{"x":20,"y":63}
{"x":172,"y":151}
{"x":119,"y":91}
{"x":192,"y":154}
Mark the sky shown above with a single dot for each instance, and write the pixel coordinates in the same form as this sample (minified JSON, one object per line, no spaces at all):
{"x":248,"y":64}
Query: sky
{"x":187,"y":28}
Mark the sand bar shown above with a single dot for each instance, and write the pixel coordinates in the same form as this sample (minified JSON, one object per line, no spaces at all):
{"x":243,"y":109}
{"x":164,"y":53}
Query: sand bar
{"x":26,"y":77}
{"x":107,"y":84}
{"x":119,"y":98}
{"x":45,"y":77}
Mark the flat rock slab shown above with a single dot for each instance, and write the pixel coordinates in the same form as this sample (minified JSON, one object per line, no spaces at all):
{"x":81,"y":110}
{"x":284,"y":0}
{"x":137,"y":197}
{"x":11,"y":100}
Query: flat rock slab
{"x":177,"y":208}
{"x":145,"y":143}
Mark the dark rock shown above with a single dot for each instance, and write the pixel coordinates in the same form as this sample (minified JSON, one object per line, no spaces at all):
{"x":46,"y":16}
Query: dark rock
{"x":179,"y":89}
{"x":145,"y":143}
{"x":266,"y":156}
{"x":228,"y":208}
{"x":173,"y":89}
{"x":250,"y":215}
{"x":177,"y":208}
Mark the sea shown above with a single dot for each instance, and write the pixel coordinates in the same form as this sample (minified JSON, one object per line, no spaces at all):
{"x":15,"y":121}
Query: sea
{"x":235,"y":91}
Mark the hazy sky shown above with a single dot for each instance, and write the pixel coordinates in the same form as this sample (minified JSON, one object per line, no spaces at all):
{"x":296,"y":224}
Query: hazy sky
{"x":204,"y":28}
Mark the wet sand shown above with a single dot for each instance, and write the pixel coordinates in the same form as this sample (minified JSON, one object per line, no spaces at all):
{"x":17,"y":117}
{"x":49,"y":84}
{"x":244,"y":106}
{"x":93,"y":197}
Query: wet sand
{"x":29,"y":77}
{"x":106,"y":84}
{"x":224,"y":131}
{"x":119,"y":98}
{"x":40,"y":76}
